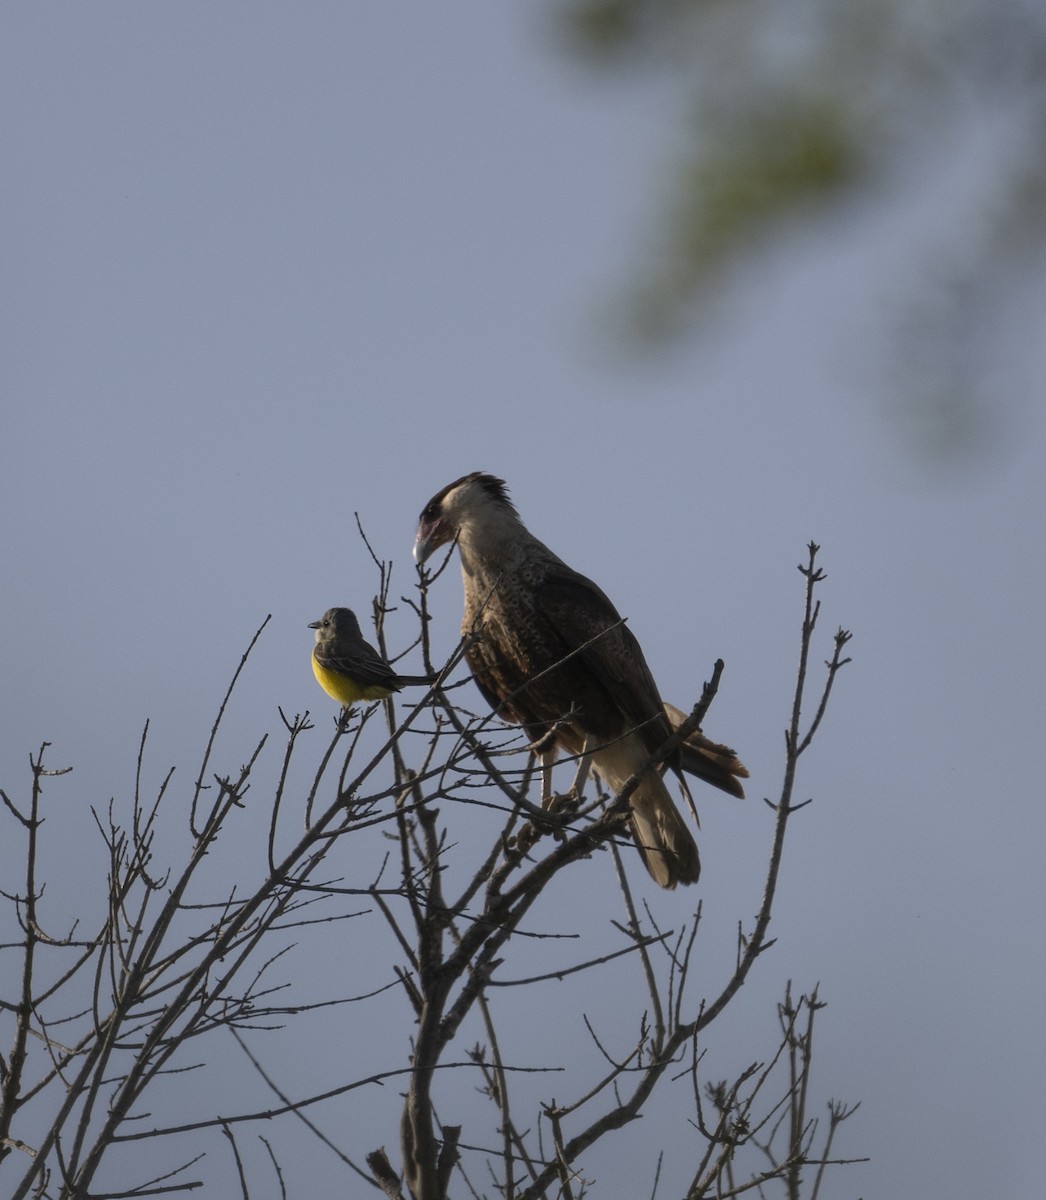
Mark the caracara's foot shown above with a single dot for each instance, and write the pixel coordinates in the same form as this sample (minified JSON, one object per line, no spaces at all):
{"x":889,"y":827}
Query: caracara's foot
{"x":558,"y":808}
{"x":520,"y":845}
{"x":563,"y":802}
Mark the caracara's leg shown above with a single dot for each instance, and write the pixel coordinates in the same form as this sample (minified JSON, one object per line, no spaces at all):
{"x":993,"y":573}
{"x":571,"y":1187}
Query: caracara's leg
{"x":548,"y":758}
{"x":584,"y":764}
{"x":549,"y":800}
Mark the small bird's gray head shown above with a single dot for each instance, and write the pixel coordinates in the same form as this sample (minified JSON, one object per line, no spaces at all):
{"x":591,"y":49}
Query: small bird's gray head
{"x":460,"y":502}
{"x":336,"y":623}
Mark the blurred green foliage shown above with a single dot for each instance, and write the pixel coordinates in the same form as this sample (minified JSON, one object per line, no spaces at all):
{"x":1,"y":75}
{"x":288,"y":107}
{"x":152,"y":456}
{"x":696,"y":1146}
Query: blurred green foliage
{"x":789,"y":108}
{"x":767,"y":164}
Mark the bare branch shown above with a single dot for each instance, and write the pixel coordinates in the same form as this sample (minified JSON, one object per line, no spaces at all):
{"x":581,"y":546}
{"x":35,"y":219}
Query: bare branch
{"x":430,"y":819}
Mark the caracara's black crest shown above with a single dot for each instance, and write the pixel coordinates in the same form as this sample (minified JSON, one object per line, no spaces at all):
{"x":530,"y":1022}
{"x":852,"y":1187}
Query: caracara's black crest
{"x":495,"y":488}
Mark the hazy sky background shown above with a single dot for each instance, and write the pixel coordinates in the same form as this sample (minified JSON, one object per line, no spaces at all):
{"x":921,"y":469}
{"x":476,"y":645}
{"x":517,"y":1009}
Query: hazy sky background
{"x":268,"y":266}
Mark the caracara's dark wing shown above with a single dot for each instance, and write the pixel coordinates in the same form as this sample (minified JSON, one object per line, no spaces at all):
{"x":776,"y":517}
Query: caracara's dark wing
{"x":606,"y":677}
{"x":579,"y":612}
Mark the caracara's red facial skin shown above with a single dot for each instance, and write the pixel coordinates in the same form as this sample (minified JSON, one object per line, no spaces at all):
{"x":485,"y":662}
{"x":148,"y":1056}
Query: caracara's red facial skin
{"x":432,"y":533}
{"x":437,"y":525}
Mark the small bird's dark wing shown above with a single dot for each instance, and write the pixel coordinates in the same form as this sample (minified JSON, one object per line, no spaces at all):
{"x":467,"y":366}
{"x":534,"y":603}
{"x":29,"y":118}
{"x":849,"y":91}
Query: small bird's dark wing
{"x":363,"y":665}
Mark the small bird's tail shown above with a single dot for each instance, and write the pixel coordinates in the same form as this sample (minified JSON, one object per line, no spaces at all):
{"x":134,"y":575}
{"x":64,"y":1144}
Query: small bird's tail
{"x":415,"y":680}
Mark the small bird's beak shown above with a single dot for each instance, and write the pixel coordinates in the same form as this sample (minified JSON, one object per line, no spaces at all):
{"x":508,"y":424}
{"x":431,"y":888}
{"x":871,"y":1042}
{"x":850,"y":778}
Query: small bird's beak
{"x":314,"y":624}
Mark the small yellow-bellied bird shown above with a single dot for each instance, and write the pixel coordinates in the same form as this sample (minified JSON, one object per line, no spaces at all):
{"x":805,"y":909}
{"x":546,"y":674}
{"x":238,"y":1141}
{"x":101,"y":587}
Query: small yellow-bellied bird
{"x":348,"y":668}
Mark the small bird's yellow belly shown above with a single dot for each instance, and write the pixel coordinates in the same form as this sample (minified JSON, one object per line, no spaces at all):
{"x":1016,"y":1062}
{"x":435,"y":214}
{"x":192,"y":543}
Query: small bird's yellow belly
{"x":340,"y":687}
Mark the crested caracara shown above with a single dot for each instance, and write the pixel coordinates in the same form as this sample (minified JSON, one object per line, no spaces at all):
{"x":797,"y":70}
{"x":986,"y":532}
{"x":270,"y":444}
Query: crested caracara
{"x":525,"y":612}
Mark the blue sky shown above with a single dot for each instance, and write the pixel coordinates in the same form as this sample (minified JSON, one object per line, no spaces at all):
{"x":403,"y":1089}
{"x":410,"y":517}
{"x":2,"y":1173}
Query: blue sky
{"x":268,"y":267}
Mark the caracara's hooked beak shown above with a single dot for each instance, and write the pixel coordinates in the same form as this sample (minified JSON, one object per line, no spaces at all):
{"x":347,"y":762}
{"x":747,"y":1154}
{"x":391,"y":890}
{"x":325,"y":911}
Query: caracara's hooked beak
{"x":432,"y":533}
{"x":422,"y":546}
